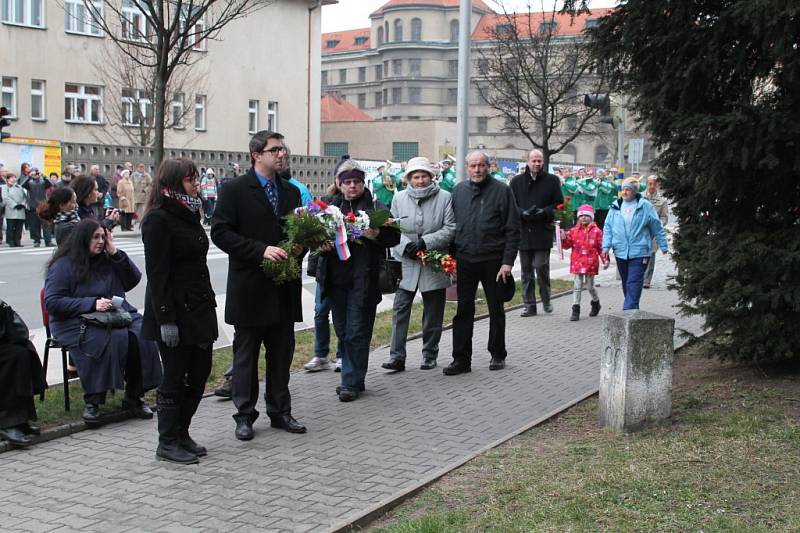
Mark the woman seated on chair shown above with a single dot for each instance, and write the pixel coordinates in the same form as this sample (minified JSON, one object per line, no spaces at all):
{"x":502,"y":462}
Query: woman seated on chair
{"x":21,"y":378}
{"x":89,"y":274}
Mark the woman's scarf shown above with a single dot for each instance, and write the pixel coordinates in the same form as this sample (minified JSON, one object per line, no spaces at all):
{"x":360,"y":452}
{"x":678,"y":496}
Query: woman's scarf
{"x":424,"y":192}
{"x":189,"y":202}
{"x":66,"y":216}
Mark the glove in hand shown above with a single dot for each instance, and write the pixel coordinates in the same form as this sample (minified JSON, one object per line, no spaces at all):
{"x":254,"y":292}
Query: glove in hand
{"x":411,"y":250}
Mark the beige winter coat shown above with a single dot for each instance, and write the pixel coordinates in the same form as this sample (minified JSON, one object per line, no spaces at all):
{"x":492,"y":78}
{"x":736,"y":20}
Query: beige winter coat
{"x":126,"y":195}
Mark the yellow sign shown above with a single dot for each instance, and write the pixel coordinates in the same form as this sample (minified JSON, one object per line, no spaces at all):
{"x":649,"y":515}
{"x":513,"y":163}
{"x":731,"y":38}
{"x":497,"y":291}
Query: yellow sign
{"x":52,"y":160}
{"x":34,"y":142}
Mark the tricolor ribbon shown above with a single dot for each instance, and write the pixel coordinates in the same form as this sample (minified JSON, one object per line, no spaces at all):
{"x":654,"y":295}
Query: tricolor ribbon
{"x":342,"y":250}
{"x":558,"y":239}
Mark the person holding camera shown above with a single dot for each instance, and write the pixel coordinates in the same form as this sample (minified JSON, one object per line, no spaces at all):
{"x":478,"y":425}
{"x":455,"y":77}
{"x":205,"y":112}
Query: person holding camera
{"x":87,"y":279}
{"x":13,"y":200}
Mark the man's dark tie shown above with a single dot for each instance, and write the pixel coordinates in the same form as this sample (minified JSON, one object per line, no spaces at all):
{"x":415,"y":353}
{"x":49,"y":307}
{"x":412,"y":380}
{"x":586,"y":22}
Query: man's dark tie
{"x":272,"y":194}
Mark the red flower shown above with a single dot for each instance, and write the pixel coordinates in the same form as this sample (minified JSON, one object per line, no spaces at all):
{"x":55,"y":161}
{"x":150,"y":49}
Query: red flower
{"x":321,"y":204}
{"x":420,"y":253}
{"x":560,"y":206}
{"x":351,"y":217}
{"x":568,"y":198}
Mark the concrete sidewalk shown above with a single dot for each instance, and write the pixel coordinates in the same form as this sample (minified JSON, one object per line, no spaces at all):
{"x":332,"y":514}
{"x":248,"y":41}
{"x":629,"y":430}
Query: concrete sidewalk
{"x":406,"y":429}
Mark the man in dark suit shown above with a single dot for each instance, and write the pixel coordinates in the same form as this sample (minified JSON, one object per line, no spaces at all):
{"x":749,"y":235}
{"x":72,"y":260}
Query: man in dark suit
{"x":247,"y":225}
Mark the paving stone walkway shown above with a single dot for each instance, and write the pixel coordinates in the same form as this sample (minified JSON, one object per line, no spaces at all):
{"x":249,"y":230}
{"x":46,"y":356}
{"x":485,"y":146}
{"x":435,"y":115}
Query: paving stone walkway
{"x":406,"y":428}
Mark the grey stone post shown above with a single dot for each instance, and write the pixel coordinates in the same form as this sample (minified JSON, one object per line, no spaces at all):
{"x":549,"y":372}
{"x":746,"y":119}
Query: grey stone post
{"x":636,"y":369}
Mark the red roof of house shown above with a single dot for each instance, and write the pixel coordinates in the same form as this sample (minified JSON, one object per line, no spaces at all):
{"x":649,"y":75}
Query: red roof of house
{"x":565,"y":24}
{"x":437,"y":3}
{"x":335,"y":109}
{"x":346,"y":40}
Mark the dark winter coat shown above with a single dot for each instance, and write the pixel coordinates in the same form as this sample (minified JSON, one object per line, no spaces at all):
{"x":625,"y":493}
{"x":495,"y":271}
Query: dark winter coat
{"x":487,"y":223}
{"x":37,"y":191}
{"x":243,"y":225}
{"x":102,"y":353}
{"x":21,"y":374}
{"x":365,"y":260}
{"x":542,"y":191}
{"x":178,"y":283}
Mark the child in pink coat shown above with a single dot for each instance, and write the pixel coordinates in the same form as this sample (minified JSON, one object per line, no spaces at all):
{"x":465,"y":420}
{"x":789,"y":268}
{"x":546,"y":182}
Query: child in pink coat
{"x":586,"y":240}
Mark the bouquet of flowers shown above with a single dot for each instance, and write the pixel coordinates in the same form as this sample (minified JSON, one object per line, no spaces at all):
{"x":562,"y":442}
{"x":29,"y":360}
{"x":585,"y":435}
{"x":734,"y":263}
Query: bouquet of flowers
{"x":437,"y":261}
{"x":357,"y":223}
{"x":564,"y":214}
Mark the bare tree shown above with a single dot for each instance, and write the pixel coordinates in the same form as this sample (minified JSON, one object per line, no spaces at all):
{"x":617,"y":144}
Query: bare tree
{"x":163,"y":35}
{"x":130,"y":105}
{"x":535,"y":77}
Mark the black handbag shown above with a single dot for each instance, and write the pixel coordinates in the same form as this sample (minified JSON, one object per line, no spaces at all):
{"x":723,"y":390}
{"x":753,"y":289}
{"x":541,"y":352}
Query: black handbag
{"x":113,"y":318}
{"x":12,"y":328}
{"x":390,"y":273}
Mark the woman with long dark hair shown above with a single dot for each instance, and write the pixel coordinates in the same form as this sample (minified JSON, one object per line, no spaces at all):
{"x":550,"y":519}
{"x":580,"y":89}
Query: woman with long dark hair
{"x":179,"y":304}
{"x":85,"y":195}
{"x":61,"y":208}
{"x":88,"y":273}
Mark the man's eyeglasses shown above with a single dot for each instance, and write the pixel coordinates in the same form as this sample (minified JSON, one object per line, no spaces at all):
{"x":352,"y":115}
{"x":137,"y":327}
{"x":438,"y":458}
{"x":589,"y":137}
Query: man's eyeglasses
{"x":275,"y":150}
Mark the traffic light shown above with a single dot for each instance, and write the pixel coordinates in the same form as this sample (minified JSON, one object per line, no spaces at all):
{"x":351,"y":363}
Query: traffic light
{"x":3,"y":123}
{"x":601,"y":101}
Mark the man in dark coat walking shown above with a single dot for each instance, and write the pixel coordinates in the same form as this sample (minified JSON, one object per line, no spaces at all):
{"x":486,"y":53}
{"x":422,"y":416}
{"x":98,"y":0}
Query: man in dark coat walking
{"x":537,"y":194}
{"x":247,"y":225}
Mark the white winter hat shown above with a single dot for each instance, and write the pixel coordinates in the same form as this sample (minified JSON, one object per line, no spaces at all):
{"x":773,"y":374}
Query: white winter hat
{"x":418,"y":163}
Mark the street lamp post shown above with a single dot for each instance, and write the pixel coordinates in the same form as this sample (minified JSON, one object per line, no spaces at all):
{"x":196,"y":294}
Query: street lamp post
{"x":464,"y":67}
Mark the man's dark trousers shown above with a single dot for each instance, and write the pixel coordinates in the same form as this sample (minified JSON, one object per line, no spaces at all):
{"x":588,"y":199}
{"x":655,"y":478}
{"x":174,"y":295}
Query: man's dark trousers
{"x":278,"y":340}
{"x":535,"y":263}
{"x":37,"y":227}
{"x":469,"y":275}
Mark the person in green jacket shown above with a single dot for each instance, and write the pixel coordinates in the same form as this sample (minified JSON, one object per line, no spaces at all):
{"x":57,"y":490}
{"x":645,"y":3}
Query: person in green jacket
{"x":496,"y":173}
{"x":448,"y":181}
{"x":384,"y":186}
{"x":606,"y":194}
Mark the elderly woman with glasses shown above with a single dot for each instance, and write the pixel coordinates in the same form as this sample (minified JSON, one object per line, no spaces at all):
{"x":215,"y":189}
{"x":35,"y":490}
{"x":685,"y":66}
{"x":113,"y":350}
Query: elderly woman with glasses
{"x":425,"y":214}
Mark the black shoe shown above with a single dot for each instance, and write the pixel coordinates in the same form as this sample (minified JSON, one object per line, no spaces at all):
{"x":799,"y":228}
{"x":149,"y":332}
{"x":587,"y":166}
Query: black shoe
{"x":37,"y":244}
{"x":395,"y":364}
{"x":31,"y":428}
{"x":576,"y":313}
{"x":138,"y":408}
{"x":15,"y":437}
{"x":428,"y":364}
{"x":224,"y":390}
{"x":286,"y":422}
{"x":187,"y":443}
{"x":457,"y":367}
{"x":497,"y":364}
{"x":348,"y":395}
{"x":548,"y":307}
{"x":646,"y":286}
{"x":175,"y":453}
{"x":91,"y":414}
{"x":595,"y":308}
{"x":244,"y":430}
{"x":360,"y":388}
{"x":529,"y":310}
{"x":50,"y":244}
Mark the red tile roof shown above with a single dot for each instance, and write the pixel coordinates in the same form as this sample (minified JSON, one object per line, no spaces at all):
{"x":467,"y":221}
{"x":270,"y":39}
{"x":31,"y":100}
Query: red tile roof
{"x":336,"y":109}
{"x":437,"y":3}
{"x":347,"y":40}
{"x":565,"y":25}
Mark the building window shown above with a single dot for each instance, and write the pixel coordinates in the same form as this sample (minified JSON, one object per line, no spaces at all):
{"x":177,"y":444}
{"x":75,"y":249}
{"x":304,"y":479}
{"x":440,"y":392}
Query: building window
{"x":386,"y":68}
{"x":378,"y":72}
{"x":386,"y":97}
{"x":200,"y":112}
{"x":380,"y":35}
{"x":483,"y":66}
{"x":342,"y":76}
{"x":548,"y":26}
{"x":483,"y":124}
{"x":452,"y":68}
{"x":416,"y":29}
{"x":454,"y":31}
{"x":397,"y":93}
{"x":177,"y":111}
{"x":415,"y":67}
{"x":83,"y":103}
{"x":133,"y":23}
{"x":397,"y":67}
{"x":414,"y":95}
{"x":335,"y":149}
{"x":452,"y":96}
{"x":24,"y":12}
{"x":572,"y":123}
{"x":272,"y":116}
{"x":83,"y":17}
{"x":252,"y":116}
{"x":362,"y":74}
{"x":378,"y":99}
{"x":9,"y":99}
{"x":590,"y":23}
{"x":38,"y":111}
{"x":398,"y":30}
{"x":331,"y":43}
{"x":503,"y":29}
{"x":403,"y":151}
{"x":361,"y":40}
{"x":137,"y":108}
{"x":324,"y":78}
{"x":362,"y":100}
{"x":195,"y":36}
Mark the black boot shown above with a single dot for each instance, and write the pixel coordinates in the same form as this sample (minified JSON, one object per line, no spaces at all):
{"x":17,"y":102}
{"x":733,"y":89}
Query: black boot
{"x":595,"y":308}
{"x":191,"y":399}
{"x":576,"y":313}
{"x":169,"y":448}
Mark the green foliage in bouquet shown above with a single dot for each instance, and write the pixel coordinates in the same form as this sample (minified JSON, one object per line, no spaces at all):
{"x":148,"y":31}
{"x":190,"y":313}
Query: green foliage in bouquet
{"x":282,"y":271}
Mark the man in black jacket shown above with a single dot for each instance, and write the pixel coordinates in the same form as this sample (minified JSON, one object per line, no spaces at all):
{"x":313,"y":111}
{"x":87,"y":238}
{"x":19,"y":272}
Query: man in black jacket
{"x":247,"y":225}
{"x":537,"y":194}
{"x":487,"y":236}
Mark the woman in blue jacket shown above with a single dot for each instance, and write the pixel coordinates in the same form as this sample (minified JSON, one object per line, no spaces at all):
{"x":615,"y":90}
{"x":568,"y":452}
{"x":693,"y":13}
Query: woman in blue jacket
{"x":631,"y":225}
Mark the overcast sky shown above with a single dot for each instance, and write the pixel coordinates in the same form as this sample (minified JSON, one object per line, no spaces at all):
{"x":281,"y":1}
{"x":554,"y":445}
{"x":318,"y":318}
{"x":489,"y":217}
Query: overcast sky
{"x":352,"y":14}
